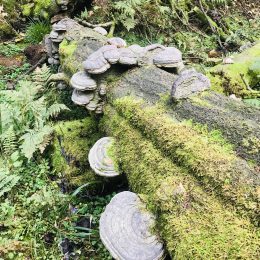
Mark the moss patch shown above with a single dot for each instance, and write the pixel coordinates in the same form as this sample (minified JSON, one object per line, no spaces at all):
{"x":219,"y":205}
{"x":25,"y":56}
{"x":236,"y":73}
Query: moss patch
{"x":192,"y":222}
{"x":217,"y":168}
{"x":72,"y":142}
{"x":66,"y":51}
{"x":228,"y":76}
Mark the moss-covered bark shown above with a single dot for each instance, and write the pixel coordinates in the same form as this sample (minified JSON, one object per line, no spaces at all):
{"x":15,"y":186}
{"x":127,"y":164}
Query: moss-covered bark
{"x":193,"y":223}
{"x":238,"y":123}
{"x":218,"y":169}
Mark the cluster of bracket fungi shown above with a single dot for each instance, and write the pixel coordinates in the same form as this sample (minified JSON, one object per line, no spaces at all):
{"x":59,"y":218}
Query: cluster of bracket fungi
{"x":87,"y":92}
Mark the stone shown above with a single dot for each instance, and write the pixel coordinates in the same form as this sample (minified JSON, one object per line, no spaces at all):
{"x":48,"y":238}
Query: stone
{"x":125,"y":229}
{"x":188,"y":83}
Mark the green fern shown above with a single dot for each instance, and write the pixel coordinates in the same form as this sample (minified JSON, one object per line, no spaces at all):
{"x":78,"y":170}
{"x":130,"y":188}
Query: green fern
{"x":7,"y":181}
{"x":25,"y":118}
{"x":8,"y":141}
{"x":41,"y":75}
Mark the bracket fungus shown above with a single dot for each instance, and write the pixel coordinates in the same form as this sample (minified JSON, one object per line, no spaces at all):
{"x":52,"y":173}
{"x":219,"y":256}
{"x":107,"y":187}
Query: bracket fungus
{"x":128,"y":57}
{"x":81,"y":98}
{"x":188,"y":83}
{"x":82,"y":81}
{"x":96,"y":63}
{"x":118,"y":42}
{"x":170,"y":57}
{"x":125,"y":229}
{"x":100,"y":160}
{"x":100,"y":30}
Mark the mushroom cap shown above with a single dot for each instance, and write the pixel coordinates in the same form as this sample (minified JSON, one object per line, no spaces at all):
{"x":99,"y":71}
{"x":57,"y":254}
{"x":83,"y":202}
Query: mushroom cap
{"x":100,"y":30}
{"x":82,"y":81}
{"x":188,"y":83}
{"x":155,"y":46}
{"x":124,"y":229}
{"x":112,"y":56}
{"x":100,"y":161}
{"x":228,"y":60}
{"x":59,"y":27}
{"x":56,"y":37}
{"x":96,"y":63}
{"x":81,"y":98}
{"x":118,"y":42}
{"x":127,"y":57}
{"x":170,"y":57}
{"x":137,"y":49}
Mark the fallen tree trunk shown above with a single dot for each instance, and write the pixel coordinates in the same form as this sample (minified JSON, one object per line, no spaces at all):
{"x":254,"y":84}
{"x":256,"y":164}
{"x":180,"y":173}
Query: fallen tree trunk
{"x":180,"y":153}
{"x":238,"y":122}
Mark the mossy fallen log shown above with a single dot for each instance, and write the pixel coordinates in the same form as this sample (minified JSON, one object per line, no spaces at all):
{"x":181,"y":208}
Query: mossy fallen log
{"x":213,"y":164}
{"x":192,"y":222}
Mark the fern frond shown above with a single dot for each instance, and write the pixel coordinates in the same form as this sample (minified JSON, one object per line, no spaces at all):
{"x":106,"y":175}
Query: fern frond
{"x":55,"y":109}
{"x":7,"y":181}
{"x":8,"y":141}
{"x":41,"y":75}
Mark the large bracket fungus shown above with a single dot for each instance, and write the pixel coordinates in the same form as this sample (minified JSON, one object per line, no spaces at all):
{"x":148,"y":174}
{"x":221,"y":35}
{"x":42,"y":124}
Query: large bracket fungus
{"x":100,"y":160}
{"x":125,"y":229}
{"x":188,"y":83}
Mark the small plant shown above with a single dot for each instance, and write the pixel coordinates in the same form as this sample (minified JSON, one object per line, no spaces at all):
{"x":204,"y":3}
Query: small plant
{"x":36,"y":31}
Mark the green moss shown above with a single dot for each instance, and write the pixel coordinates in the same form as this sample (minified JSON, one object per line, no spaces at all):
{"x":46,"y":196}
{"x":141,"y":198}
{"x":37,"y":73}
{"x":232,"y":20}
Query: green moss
{"x":229,"y":75}
{"x":216,"y":167}
{"x":192,"y":222}
{"x":72,"y":142}
{"x":66,"y":50}
{"x":6,"y":30}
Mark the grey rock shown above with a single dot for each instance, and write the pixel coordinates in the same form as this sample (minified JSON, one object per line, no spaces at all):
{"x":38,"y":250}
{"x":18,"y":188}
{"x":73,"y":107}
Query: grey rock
{"x":100,"y":161}
{"x":82,"y":81}
{"x":188,"y":83}
{"x":81,"y":98}
{"x":125,"y":229}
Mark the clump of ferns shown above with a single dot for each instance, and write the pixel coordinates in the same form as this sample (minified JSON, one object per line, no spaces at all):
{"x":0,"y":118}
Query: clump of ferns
{"x":26,"y":119}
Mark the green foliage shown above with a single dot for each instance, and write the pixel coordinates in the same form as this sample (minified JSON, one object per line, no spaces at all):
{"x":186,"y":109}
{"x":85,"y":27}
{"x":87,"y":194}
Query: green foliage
{"x":36,"y":31}
{"x":10,"y":49}
{"x":25,"y":115}
{"x":7,"y":181}
{"x":252,"y":102}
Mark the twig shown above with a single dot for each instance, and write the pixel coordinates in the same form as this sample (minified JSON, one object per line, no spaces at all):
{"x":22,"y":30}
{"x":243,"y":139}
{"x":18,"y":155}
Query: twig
{"x":93,"y":25}
{"x":243,"y":79}
{"x":41,"y":61}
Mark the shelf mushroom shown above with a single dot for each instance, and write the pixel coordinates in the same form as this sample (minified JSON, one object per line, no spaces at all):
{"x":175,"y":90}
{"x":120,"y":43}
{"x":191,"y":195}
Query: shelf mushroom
{"x":118,"y":42}
{"x":82,"y":81}
{"x":81,"y":98}
{"x":188,"y":83}
{"x":171,"y":57}
{"x":96,"y":63}
{"x":125,"y":229}
{"x":100,"y":30}
{"x":100,"y":160}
